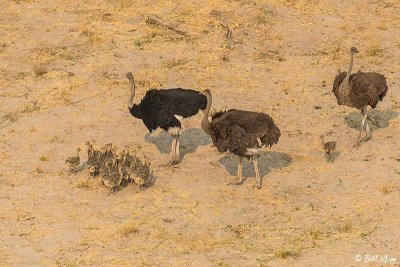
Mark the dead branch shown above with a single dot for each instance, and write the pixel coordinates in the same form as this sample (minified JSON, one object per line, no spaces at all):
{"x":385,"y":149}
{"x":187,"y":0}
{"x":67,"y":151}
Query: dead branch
{"x":156,"y":21}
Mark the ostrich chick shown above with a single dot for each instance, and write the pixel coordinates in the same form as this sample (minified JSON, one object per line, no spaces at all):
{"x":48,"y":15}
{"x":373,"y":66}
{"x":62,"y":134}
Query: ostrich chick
{"x":328,"y":147}
{"x":90,"y":150}
{"x":73,"y":162}
{"x":92,"y":155}
{"x":113,"y":179}
{"x":94,"y":171}
{"x":142,"y":176}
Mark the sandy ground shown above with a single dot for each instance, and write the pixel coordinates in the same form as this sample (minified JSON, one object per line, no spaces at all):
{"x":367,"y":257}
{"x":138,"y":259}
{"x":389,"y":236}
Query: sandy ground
{"x":62,"y":83}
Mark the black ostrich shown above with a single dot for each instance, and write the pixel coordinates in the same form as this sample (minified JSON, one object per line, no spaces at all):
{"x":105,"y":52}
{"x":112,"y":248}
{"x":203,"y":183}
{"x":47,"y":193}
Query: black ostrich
{"x":166,"y":109}
{"x":241,"y":133}
{"x":359,"y":90}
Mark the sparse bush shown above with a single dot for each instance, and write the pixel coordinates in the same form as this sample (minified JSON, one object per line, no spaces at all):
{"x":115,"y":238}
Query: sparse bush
{"x":39,"y":70}
{"x":374,"y":51}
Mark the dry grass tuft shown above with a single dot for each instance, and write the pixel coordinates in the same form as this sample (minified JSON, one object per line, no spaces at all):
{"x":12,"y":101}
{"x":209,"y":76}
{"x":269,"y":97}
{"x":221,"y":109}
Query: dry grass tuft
{"x":140,"y":42}
{"x":284,"y":254}
{"x":239,"y":230}
{"x":93,"y":36}
{"x":39,"y":170}
{"x":175,"y":63}
{"x":31,"y":107}
{"x":83,"y":184}
{"x":128,"y":229}
{"x":388,"y":188}
{"x":315,"y":234}
{"x":345,"y":228}
{"x":39,"y":70}
{"x":11,"y":116}
{"x":375,"y":51}
{"x":44,"y":158}
{"x":55,"y":139}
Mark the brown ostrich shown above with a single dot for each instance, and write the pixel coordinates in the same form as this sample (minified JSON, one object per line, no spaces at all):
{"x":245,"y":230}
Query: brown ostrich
{"x":359,"y":90}
{"x":241,"y":133}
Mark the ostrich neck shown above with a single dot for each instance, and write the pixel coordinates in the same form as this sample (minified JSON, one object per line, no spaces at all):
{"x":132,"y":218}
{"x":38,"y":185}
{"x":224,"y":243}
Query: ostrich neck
{"x":205,"y":123}
{"x":322,"y":142}
{"x":346,"y":79}
{"x":132,"y":85}
{"x":344,"y":89}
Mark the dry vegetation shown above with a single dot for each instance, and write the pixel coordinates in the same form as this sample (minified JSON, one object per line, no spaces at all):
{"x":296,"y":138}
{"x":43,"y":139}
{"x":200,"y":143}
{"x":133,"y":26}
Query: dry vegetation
{"x":62,"y":82}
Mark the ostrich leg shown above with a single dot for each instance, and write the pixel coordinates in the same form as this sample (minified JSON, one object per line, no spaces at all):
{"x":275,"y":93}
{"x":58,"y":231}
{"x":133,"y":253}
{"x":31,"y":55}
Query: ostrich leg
{"x":173,"y":151}
{"x":239,"y":172}
{"x":362,"y":127}
{"x":366,"y":126}
{"x":176,"y":156}
{"x":255,"y":157}
{"x":371,"y":119}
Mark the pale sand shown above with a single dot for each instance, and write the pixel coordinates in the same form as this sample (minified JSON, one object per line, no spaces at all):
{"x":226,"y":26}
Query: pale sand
{"x":62,"y":83}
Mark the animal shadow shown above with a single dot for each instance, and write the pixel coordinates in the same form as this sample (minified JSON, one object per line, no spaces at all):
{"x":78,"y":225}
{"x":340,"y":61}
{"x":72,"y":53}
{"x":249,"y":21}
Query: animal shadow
{"x":334,"y":156}
{"x":266,"y":162}
{"x":189,"y":140}
{"x":381,"y":118}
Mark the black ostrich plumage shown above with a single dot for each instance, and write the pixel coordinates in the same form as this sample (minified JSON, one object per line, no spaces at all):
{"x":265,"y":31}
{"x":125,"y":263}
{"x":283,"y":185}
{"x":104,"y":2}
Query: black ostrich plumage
{"x":159,"y":107}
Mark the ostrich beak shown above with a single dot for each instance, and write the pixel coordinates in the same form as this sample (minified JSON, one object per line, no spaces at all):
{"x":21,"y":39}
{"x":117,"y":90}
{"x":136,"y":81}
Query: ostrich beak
{"x":354,"y":50}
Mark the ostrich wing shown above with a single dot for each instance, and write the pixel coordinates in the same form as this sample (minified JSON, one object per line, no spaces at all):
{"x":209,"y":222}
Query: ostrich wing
{"x":183,"y":102}
{"x":367,"y":88}
{"x":336,"y":83}
{"x":233,"y":138}
{"x":237,"y":130}
{"x":259,"y":124}
{"x":159,"y":107}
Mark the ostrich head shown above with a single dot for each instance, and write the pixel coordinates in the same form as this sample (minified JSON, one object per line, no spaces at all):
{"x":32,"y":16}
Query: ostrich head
{"x":344,"y":86}
{"x":206,"y":92}
{"x":353,"y":50}
{"x":129,"y":75}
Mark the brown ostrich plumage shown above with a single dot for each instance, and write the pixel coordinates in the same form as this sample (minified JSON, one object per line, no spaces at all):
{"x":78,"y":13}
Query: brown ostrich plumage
{"x":366,"y":89}
{"x":240,"y":132}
